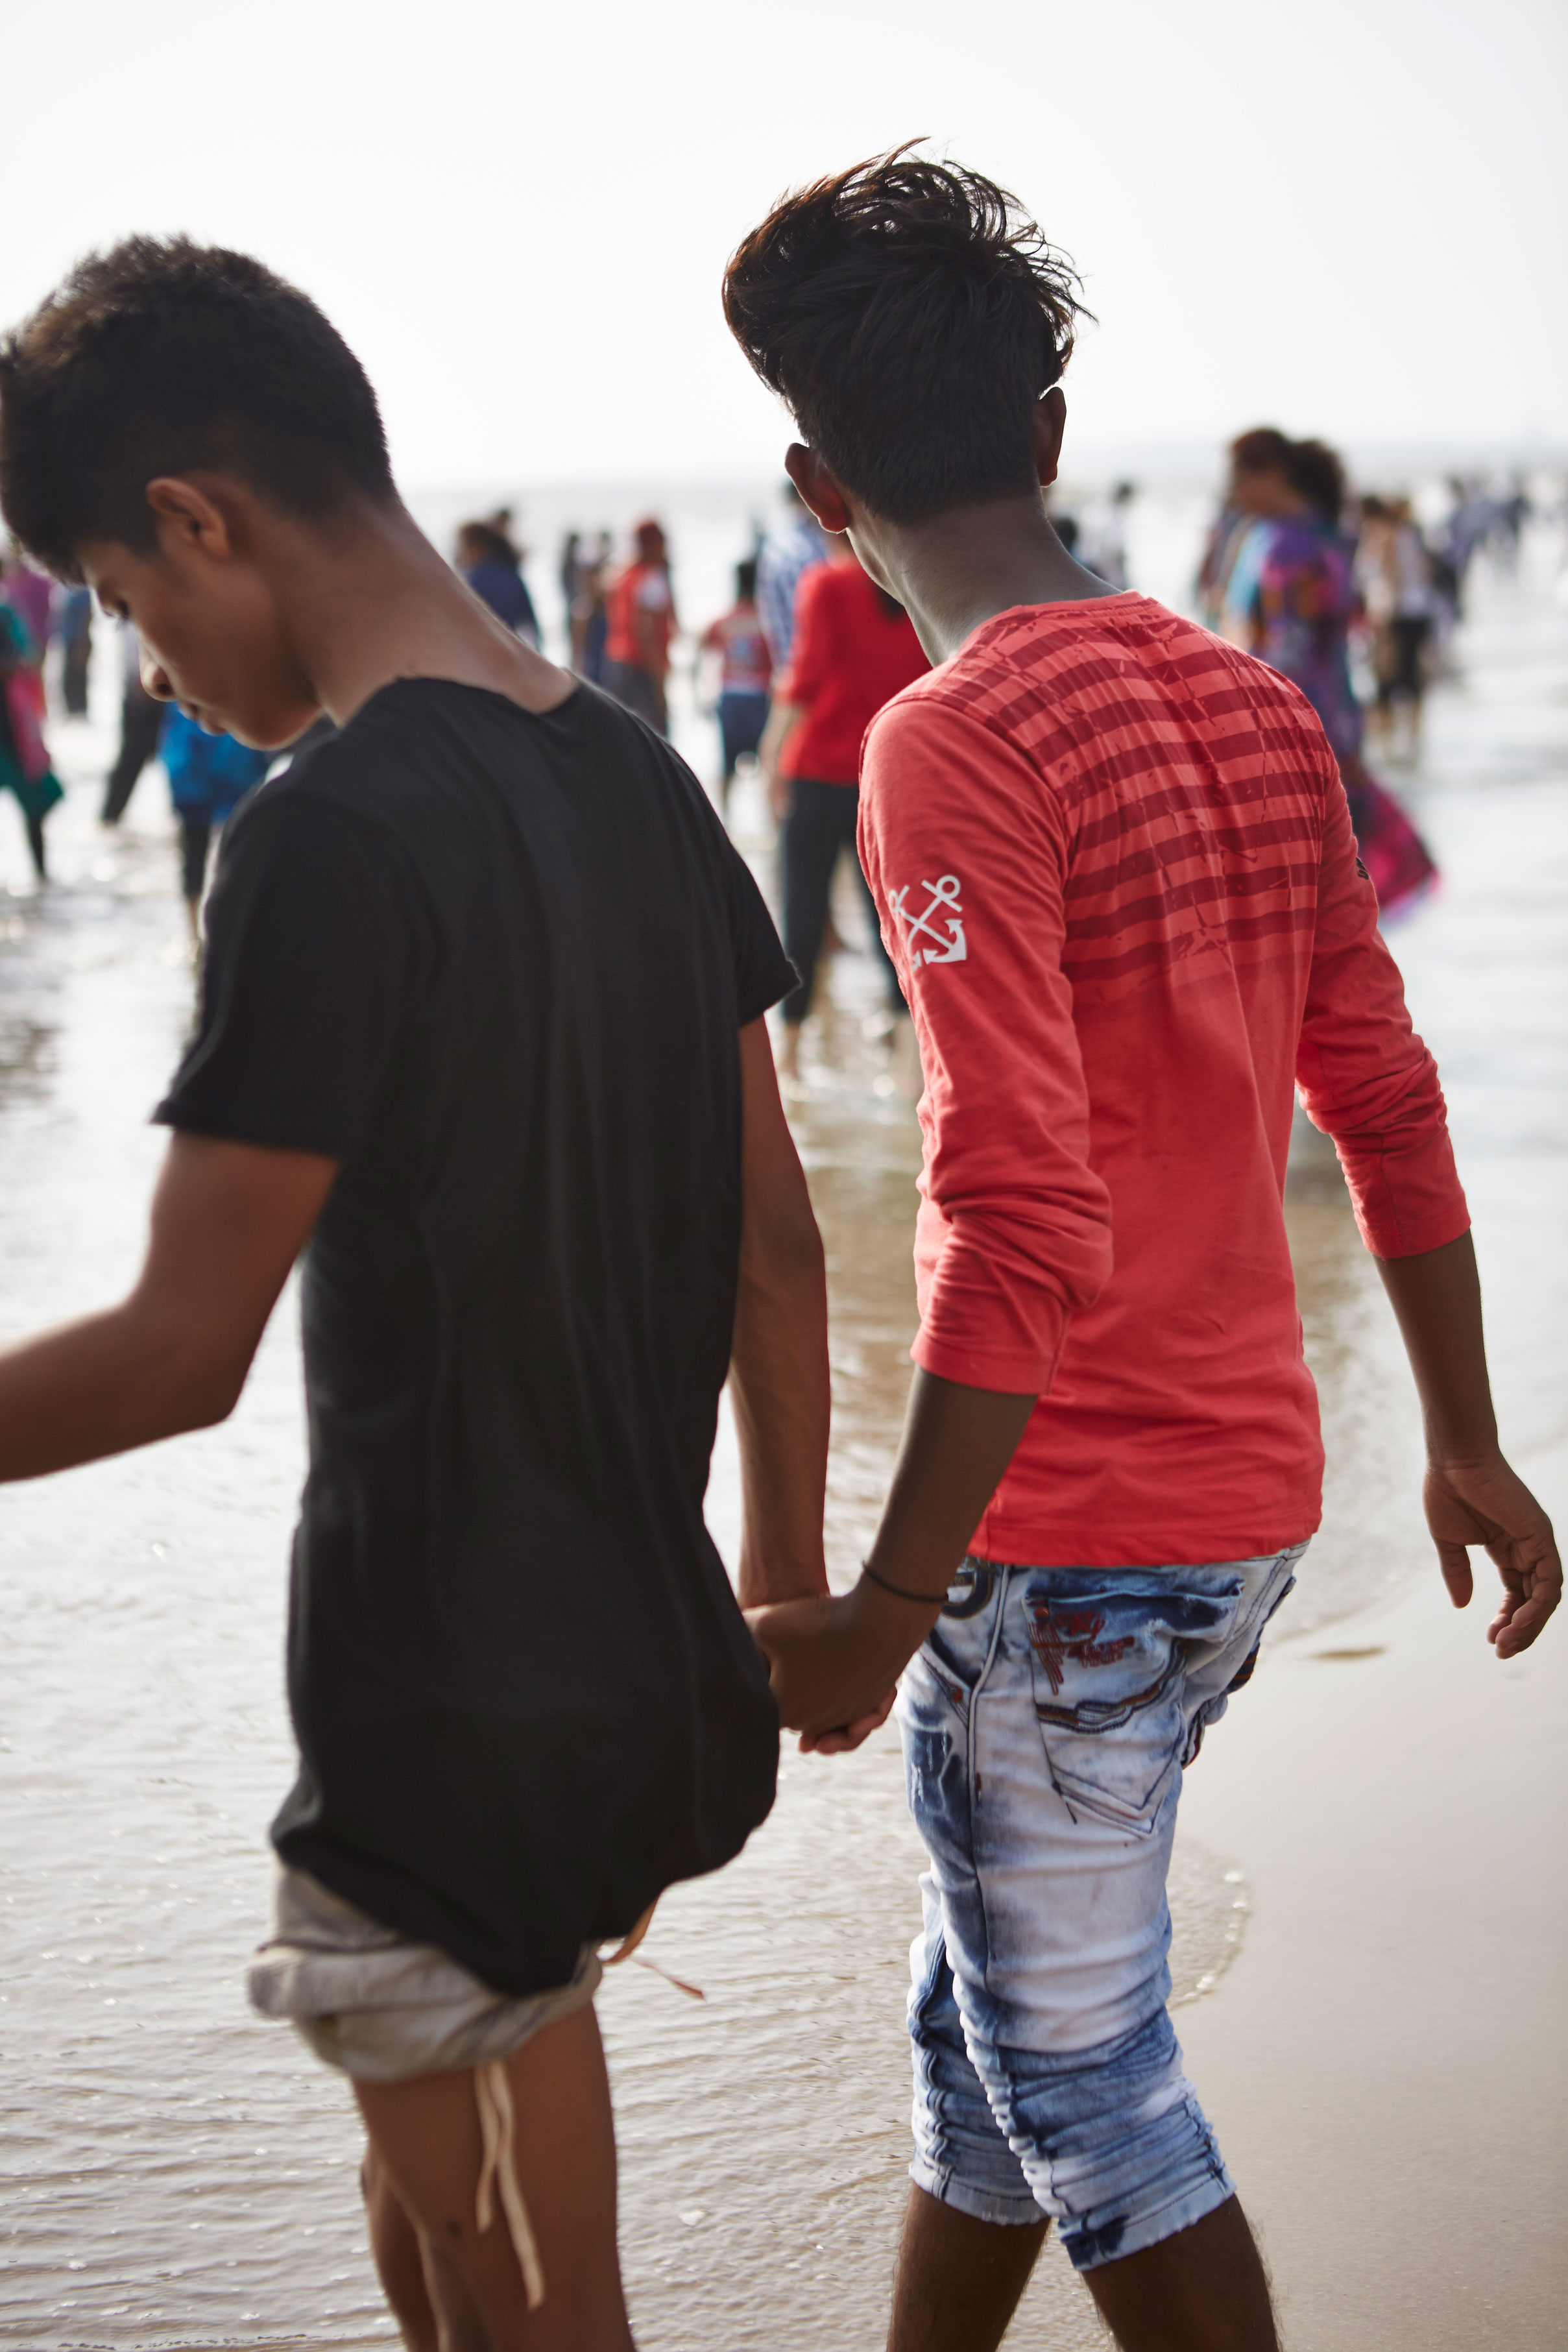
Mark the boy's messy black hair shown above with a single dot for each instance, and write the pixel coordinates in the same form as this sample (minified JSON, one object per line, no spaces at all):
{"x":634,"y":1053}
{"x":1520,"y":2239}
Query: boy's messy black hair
{"x":163,"y":356}
{"x":910,"y":314}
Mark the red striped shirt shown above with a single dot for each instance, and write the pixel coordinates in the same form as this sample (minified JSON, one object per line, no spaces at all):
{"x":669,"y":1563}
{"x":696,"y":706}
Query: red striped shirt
{"x":1114,"y":867}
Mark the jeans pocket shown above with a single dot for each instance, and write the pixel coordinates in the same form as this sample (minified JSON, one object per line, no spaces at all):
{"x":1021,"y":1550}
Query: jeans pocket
{"x":1108,"y":1667}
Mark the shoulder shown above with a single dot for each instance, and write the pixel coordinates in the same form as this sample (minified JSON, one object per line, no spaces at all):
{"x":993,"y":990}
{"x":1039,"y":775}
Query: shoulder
{"x":339,"y":801}
{"x":931,"y":746}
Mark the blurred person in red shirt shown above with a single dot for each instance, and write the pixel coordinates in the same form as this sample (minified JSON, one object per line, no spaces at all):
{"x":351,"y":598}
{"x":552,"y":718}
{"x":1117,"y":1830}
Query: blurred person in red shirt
{"x":854,"y":649}
{"x":641,"y":606}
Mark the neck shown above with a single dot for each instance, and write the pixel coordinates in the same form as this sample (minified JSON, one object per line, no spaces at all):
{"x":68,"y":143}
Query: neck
{"x":964,"y":566}
{"x":374,"y":603}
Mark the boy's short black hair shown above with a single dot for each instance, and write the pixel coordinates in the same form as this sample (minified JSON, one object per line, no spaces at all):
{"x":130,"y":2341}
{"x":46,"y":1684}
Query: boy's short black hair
{"x":911,"y":315}
{"x":163,"y":356}
{"x":745,"y":580}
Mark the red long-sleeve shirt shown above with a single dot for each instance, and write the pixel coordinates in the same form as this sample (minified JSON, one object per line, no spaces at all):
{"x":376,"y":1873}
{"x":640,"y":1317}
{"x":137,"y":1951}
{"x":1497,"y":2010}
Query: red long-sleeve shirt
{"x":1114,"y":867}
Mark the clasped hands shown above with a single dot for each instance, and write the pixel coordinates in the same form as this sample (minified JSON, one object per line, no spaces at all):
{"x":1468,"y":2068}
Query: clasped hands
{"x":834,"y":1660}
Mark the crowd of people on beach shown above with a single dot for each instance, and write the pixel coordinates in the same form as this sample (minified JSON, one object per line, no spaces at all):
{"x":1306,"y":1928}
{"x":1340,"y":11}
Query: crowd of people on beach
{"x":484,"y":1045}
{"x":1347,"y":594}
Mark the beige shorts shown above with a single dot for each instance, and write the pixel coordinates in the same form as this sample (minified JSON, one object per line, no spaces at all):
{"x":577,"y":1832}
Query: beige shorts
{"x":369,"y":2002}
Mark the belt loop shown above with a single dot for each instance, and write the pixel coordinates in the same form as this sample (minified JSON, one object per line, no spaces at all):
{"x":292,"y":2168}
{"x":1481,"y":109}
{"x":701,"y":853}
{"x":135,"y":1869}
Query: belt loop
{"x":981,"y":1577}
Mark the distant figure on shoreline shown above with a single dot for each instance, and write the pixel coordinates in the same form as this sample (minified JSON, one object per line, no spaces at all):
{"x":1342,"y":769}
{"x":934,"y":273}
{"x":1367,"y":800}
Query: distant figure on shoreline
{"x":783,"y":563}
{"x":25,"y":770}
{"x":641,"y":608}
{"x":583,"y":563}
{"x":141,"y":717}
{"x":209,"y":775}
{"x":492,"y":567}
{"x":1395,"y":569}
{"x":75,"y":633}
{"x":747,"y":668}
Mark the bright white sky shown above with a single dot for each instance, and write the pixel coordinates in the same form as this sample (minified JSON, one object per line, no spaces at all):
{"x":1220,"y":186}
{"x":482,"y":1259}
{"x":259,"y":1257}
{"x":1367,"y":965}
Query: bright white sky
{"x":1351,"y":219}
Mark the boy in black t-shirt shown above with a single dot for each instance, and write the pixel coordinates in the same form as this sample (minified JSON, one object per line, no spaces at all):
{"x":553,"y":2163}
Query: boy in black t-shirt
{"x":482,"y":1032}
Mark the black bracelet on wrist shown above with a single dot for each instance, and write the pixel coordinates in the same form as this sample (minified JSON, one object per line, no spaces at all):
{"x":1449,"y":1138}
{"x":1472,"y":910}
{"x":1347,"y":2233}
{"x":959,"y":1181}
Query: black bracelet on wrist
{"x":899,"y":1592}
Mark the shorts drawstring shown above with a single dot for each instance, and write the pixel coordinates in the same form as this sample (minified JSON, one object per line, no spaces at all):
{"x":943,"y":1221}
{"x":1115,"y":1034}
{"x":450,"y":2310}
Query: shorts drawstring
{"x":493,"y":2093}
{"x":498,"y":2172}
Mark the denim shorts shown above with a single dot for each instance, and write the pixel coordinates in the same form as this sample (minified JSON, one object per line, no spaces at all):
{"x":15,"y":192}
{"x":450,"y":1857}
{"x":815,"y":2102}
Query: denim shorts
{"x":1047,"y":1722}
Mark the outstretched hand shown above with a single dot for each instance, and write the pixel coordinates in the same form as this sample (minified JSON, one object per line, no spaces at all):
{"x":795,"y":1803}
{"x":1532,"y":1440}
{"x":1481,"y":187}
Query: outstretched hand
{"x":1484,"y":1503}
{"x":835,"y":1664}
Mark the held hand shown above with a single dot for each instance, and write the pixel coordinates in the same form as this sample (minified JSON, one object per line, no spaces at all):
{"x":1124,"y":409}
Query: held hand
{"x":833,"y":1663}
{"x":850,"y":1735}
{"x":1483,"y":1502}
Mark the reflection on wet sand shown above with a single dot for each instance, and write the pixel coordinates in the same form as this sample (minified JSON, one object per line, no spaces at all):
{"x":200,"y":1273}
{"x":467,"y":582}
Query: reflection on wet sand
{"x":175,"y":2172}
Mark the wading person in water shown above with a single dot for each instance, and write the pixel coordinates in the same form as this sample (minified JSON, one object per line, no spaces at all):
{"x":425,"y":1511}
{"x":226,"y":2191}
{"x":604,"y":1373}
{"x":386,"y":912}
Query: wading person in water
{"x":481,"y":1034}
{"x":1114,"y":865}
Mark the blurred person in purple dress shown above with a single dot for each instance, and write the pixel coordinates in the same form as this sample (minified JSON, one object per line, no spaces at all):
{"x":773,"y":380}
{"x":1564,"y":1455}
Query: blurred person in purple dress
{"x":1286,"y":591}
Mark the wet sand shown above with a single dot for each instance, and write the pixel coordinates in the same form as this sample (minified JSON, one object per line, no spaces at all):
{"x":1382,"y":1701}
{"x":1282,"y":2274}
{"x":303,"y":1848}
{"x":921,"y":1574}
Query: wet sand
{"x":1386,"y":2063}
{"x":1370,"y":1891}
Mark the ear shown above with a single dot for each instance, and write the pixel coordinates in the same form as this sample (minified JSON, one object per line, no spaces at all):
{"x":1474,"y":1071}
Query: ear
{"x":188,"y":521}
{"x":1050,"y":425}
{"x":818,"y":484}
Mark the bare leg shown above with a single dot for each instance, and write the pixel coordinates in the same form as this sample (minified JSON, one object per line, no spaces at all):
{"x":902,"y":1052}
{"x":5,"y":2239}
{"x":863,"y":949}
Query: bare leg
{"x":958,"y":2280}
{"x":1205,"y":2290}
{"x":425,"y":2138}
{"x":400,"y":2264}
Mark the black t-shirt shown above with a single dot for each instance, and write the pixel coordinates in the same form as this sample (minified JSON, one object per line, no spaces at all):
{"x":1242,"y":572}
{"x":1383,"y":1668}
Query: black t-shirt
{"x":496,"y":964}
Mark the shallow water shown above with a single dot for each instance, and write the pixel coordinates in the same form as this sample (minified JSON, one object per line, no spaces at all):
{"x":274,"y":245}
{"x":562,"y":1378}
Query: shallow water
{"x":177,"y":2172}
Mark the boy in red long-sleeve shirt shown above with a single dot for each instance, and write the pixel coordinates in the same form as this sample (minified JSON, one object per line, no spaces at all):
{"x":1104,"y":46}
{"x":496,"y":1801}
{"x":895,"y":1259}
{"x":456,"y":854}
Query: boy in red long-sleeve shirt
{"x":1114,"y":867}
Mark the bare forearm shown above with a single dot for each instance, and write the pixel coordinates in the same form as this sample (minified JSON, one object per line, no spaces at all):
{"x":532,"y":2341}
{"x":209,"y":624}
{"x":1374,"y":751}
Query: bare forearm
{"x":779,"y":1389}
{"x":782,"y":721}
{"x":835,"y":1662}
{"x":101,"y":1386}
{"x":1437,"y":1297}
{"x":958,"y":1441}
{"x":651,"y":646}
{"x":228,"y":1221}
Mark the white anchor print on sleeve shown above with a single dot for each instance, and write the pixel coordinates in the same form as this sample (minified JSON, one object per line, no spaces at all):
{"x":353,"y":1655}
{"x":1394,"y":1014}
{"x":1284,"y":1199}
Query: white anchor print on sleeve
{"x":942,"y":906}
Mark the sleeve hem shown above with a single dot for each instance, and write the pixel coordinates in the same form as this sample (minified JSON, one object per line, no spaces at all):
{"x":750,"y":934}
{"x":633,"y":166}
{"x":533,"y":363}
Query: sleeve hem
{"x":1415,"y":1241}
{"x":226,"y":1127}
{"x":974,"y":1368}
{"x":763,"y":999}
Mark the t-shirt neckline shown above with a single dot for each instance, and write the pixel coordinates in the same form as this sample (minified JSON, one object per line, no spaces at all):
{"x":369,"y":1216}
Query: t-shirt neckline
{"x":1054,"y":607}
{"x":488,"y":693}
